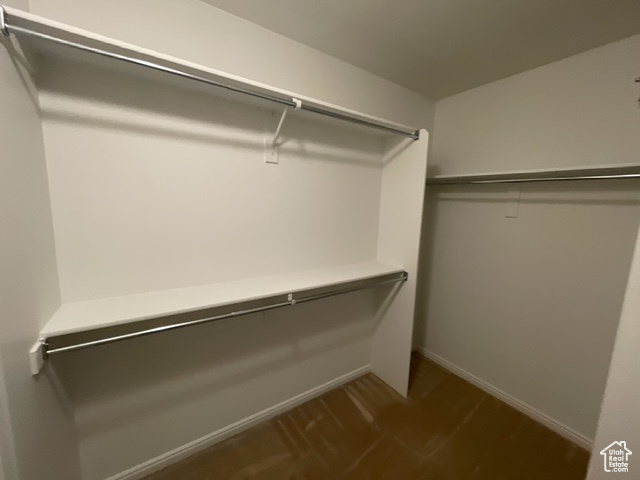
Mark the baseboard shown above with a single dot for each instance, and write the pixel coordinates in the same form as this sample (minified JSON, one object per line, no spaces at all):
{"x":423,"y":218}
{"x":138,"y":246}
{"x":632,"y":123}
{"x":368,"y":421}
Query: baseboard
{"x":532,"y":412}
{"x":164,"y":460}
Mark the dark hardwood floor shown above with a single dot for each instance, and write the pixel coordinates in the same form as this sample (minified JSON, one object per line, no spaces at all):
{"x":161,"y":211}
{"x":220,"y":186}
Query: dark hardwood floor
{"x":446,"y":430}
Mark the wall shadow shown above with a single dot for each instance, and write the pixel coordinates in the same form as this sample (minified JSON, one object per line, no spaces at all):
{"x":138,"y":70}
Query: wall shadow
{"x":114,"y":100}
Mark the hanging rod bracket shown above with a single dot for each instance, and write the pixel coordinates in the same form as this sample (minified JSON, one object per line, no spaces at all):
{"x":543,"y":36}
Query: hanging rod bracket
{"x":273,"y":153}
{"x":285,"y":110}
{"x":290,"y":299}
{"x":3,"y":24}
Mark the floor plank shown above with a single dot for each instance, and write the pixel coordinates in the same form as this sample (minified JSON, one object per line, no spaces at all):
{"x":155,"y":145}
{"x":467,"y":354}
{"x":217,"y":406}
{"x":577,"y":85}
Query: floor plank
{"x":447,"y":429}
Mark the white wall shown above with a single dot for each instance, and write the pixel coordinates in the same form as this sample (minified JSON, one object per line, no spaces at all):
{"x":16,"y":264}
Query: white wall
{"x":37,"y":437}
{"x":174,"y":191}
{"x":531,"y":304}
{"x":8,"y":460}
{"x":620,"y":415}
{"x":580,"y":111}
{"x":154,"y":187}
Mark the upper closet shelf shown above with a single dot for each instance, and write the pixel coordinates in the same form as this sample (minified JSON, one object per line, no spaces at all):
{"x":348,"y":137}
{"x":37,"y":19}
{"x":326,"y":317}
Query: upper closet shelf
{"x":53,"y":39}
{"x":95,"y":322}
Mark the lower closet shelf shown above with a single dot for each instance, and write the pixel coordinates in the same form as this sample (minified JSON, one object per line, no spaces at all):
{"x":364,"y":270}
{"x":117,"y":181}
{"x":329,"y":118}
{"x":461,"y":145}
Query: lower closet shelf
{"x":95,"y":322}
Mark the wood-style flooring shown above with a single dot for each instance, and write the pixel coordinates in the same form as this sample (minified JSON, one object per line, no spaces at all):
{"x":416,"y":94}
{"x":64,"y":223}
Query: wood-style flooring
{"x":447,"y":429}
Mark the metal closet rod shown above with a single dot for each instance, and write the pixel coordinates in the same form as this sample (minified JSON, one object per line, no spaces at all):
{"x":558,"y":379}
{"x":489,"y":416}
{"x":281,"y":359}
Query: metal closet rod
{"x":604,"y":173}
{"x":292,"y":300}
{"x":7,"y":29}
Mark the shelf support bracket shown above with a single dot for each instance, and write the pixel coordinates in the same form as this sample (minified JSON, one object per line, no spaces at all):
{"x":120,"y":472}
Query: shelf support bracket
{"x":274,"y":142}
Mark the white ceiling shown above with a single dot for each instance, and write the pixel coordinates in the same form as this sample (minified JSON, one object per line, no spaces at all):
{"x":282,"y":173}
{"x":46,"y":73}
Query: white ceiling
{"x":442,"y":47}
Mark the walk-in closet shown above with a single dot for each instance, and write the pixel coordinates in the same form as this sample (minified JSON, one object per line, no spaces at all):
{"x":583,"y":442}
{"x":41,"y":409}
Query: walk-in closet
{"x":319,"y":240}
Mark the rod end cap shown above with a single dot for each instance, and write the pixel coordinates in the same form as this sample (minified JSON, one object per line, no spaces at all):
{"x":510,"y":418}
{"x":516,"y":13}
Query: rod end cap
{"x":37,"y":357}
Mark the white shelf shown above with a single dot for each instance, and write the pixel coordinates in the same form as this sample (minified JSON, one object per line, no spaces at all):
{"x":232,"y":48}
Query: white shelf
{"x":52,"y":39}
{"x":94,"y":314}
